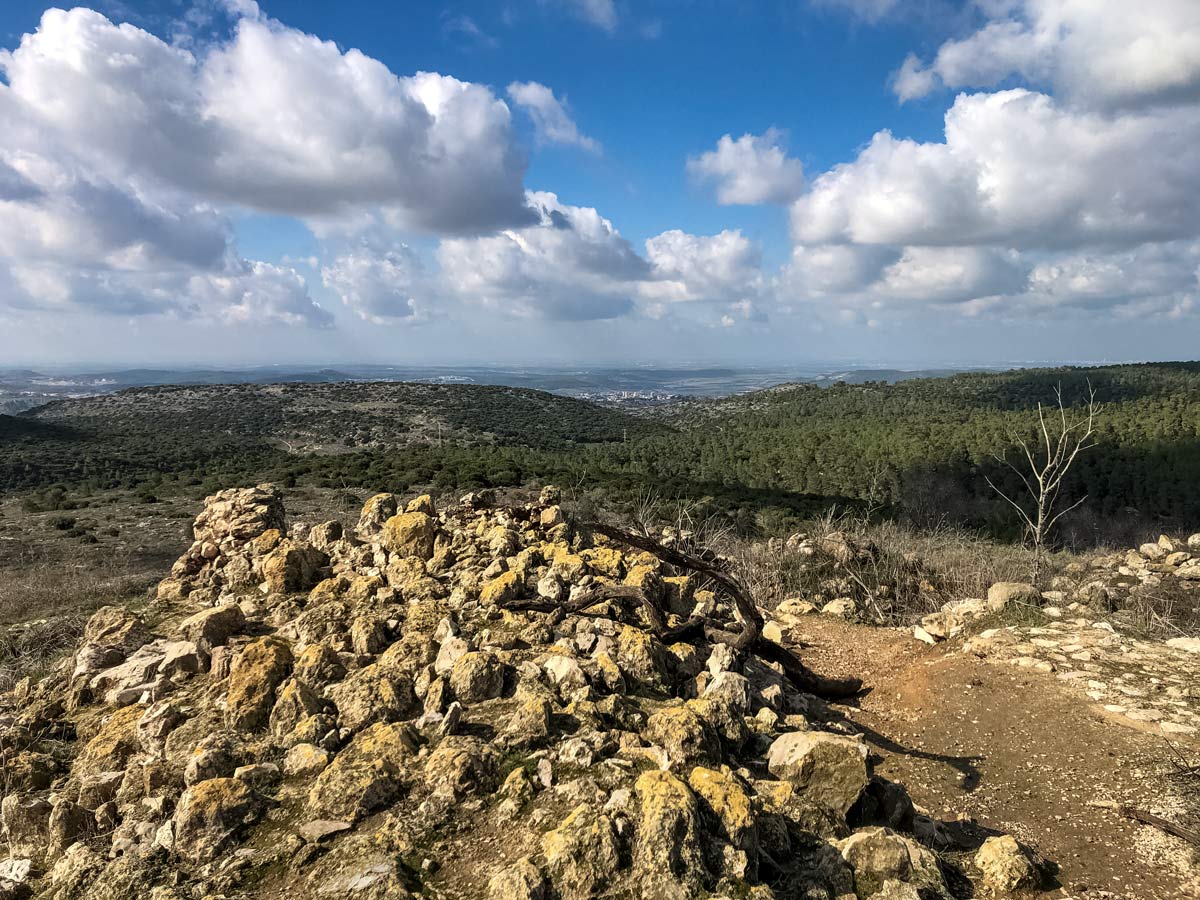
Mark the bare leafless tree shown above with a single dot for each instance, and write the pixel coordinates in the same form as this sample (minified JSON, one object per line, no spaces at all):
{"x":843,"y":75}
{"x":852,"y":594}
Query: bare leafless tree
{"x":1047,"y":459}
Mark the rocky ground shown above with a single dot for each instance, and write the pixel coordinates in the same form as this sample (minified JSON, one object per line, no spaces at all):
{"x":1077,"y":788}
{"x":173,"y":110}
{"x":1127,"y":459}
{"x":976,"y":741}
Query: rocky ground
{"x":404,"y":710}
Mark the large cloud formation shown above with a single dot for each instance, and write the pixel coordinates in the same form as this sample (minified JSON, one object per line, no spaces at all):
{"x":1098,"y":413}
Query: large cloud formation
{"x":1075,"y":186}
{"x":1102,"y":53}
{"x":1070,"y":180}
{"x":122,"y":157}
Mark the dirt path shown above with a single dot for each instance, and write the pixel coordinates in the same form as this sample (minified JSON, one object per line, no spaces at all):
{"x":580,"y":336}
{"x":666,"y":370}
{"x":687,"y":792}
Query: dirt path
{"x":1014,"y":750}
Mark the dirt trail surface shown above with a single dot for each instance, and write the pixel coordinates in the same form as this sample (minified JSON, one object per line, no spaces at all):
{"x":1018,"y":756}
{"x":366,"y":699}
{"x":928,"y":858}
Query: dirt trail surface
{"x":1017,"y":750}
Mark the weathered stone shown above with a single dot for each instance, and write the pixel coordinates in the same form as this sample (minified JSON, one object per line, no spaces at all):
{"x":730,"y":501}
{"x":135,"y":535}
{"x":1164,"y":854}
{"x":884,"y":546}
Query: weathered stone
{"x":374,"y":693}
{"x":582,"y":854}
{"x":318,"y":665}
{"x":213,"y":627}
{"x":368,"y":635}
{"x":501,"y":589}
{"x":318,"y":831}
{"x":156,"y":723}
{"x":240,"y":514}
{"x":115,"y":628}
{"x":529,"y":724}
{"x":69,"y":822}
{"x":685,"y":736}
{"x":26,"y":824}
{"x":294,"y":702}
{"x":829,"y":769}
{"x":306,"y":760}
{"x":210,"y":816}
{"x":257,"y":671}
{"x":640,"y":657}
{"x":113,"y":745}
{"x":367,"y":775}
{"x":1004,"y":865}
{"x":729,"y":804}
{"x":29,"y":770}
{"x":292,"y":567}
{"x":410,"y":534}
{"x":461,"y":766}
{"x":879,"y":855}
{"x":1003,"y":593}
{"x":375,"y":512}
{"x":667,"y":853}
{"x":216,"y":755}
{"x":520,"y":881}
{"x":1186,"y":644}
{"x":99,"y":789}
{"x":477,"y":677}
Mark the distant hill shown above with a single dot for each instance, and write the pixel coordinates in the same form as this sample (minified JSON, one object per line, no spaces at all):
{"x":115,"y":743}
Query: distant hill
{"x":923,"y":448}
{"x":144,"y":432}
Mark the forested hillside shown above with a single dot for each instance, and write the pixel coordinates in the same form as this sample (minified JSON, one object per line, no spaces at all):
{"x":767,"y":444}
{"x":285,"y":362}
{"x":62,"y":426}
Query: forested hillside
{"x":921,"y":448}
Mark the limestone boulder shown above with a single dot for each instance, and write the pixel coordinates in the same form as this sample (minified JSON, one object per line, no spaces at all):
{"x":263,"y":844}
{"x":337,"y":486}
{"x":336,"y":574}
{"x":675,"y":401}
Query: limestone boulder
{"x":878,"y":856}
{"x":1004,"y":865}
{"x":238,"y":515}
{"x":829,"y":769}
{"x":365,"y":776}
{"x":374,"y":693}
{"x":476,"y":677}
{"x":292,"y":567}
{"x":26,"y":825}
{"x":685,"y":735}
{"x":210,"y":817}
{"x":667,"y":854}
{"x":375,"y":512}
{"x":213,"y":627}
{"x":410,"y":534}
{"x":260,"y":668}
{"x":1003,"y":593}
{"x":582,"y":854}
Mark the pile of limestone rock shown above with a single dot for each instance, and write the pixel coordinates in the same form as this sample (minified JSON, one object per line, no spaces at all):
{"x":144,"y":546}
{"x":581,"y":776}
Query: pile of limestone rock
{"x":1106,"y":586}
{"x":335,"y":712}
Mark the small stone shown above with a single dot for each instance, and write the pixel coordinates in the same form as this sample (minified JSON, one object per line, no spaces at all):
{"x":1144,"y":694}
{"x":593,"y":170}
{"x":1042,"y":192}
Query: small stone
{"x":317,"y":831}
{"x":1004,"y":865}
{"x":305,"y":760}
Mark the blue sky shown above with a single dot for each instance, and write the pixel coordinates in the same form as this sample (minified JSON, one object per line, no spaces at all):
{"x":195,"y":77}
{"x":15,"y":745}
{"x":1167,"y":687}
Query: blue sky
{"x":283,"y":214}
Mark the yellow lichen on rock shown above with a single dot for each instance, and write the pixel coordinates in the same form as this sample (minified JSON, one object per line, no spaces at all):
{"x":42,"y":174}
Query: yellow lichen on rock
{"x":410,"y":534}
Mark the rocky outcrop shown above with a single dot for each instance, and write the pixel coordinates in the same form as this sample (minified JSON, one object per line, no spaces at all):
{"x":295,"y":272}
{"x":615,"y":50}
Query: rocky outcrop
{"x":407,"y":707}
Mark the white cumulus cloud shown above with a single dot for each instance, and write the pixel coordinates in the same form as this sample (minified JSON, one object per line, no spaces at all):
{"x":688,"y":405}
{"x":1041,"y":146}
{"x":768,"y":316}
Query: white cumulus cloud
{"x":1103,"y":53}
{"x":551,"y":121}
{"x":572,"y":265}
{"x":1017,"y":169}
{"x":123,"y":159}
{"x":381,"y":286}
{"x":750,"y":170}
{"x":601,"y":13}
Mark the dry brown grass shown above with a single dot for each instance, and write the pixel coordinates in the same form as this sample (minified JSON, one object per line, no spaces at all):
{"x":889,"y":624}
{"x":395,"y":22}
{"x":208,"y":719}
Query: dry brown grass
{"x":1162,"y":611}
{"x":903,"y":571}
{"x":43,"y":608}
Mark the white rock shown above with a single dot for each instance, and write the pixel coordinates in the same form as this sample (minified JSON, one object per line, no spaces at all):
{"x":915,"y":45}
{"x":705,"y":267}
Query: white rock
{"x":1186,"y":644}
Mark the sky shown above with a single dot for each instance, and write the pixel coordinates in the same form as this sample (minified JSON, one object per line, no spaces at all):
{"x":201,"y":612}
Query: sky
{"x":575,"y":182}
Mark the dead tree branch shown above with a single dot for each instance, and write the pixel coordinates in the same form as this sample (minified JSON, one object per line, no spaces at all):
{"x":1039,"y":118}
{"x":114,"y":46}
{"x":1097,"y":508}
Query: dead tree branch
{"x":1148,"y":818}
{"x":747,"y":638}
{"x":1048,"y":458}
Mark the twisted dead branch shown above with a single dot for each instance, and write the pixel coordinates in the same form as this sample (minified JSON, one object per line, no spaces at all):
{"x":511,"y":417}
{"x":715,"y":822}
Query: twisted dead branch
{"x":745,"y":638}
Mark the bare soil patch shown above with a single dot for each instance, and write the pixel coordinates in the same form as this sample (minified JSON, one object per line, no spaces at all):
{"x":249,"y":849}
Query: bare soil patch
{"x":1016,"y":751}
